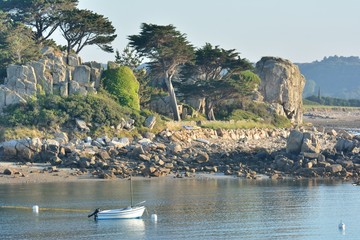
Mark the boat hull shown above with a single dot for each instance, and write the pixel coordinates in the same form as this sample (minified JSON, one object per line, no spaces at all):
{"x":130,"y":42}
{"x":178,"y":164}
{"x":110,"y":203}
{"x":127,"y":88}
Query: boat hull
{"x":122,"y":213}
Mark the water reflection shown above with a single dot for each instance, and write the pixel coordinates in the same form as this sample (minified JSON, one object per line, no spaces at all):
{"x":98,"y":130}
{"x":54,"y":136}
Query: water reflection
{"x":127,"y":227}
{"x":203,"y":209}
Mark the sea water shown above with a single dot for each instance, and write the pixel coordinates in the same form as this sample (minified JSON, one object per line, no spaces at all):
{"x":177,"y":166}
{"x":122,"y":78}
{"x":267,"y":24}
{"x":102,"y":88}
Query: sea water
{"x":207,"y":208}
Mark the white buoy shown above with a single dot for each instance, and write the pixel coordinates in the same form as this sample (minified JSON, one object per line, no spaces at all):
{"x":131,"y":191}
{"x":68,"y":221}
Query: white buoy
{"x":154,"y":217}
{"x":35,"y":209}
{"x":342,"y":226}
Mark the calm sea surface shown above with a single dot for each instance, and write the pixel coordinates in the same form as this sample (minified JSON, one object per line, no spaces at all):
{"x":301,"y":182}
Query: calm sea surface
{"x":222,"y":208}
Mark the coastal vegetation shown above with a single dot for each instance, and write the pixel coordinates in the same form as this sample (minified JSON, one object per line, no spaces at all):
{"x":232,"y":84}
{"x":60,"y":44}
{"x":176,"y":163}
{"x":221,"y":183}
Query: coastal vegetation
{"x":220,"y":76}
{"x":95,"y":118}
{"x":167,"y":49}
{"x":28,"y":25}
{"x":122,"y":83}
{"x":48,"y":112}
{"x":331,"y":101}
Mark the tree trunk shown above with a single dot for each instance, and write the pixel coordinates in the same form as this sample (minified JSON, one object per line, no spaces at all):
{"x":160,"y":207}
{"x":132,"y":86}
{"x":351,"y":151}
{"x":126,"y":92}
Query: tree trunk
{"x":173,"y":102}
{"x":68,"y":49}
{"x":209,"y":110}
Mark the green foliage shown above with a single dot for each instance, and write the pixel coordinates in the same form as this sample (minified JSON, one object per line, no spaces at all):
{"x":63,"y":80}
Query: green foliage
{"x":167,"y":48}
{"x":129,"y":57}
{"x":219,"y":75}
{"x":236,"y":86}
{"x":244,"y":82}
{"x":234,"y":124}
{"x":253,"y":112}
{"x":122,"y":83}
{"x":47,"y":111}
{"x":21,"y":46}
{"x":41,"y":15}
{"x":330,"y":101}
{"x":214,"y":63}
{"x":84,"y":27}
{"x":5,"y":25}
{"x":309,"y":102}
{"x":239,"y":114}
{"x":95,"y":108}
{"x":19,"y":133}
{"x":32,"y":114}
{"x":163,"y":45}
{"x":280,"y":121}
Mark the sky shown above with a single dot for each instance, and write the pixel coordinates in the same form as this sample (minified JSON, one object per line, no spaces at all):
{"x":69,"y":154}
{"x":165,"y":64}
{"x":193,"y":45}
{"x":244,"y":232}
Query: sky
{"x":297,"y":30}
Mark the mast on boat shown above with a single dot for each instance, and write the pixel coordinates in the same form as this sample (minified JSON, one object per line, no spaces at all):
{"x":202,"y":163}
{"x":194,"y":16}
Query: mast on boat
{"x":131,"y":193}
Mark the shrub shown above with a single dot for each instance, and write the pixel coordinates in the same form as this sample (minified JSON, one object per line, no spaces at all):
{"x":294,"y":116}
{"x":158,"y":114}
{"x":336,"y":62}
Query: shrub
{"x":122,"y":83}
{"x":243,"y":115}
{"x":280,"y":121}
{"x":99,"y":109}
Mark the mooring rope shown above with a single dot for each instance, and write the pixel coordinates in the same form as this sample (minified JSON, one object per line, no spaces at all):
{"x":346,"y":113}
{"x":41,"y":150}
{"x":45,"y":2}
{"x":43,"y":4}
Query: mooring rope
{"x":46,"y":209}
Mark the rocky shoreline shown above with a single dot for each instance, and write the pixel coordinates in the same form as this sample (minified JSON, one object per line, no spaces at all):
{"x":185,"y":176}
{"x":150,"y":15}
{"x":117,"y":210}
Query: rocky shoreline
{"x":306,"y":152}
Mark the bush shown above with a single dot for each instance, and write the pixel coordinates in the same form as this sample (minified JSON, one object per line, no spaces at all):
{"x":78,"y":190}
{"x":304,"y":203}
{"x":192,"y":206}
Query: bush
{"x":256,"y":112}
{"x":280,"y":121}
{"x":99,"y":109}
{"x":34,"y":113}
{"x":122,"y":83}
{"x":243,"y":115}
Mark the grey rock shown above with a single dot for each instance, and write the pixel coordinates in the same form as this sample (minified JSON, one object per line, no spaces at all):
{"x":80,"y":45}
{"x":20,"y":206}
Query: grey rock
{"x":81,"y":75}
{"x":150,"y":121}
{"x":334,"y":168}
{"x":310,"y":143}
{"x":82,"y":125}
{"x":344,"y":145}
{"x":294,"y":142}
{"x":8,"y":171}
{"x":282,"y":85}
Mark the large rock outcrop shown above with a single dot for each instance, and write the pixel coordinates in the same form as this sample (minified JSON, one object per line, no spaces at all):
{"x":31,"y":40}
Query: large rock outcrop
{"x":56,"y":73}
{"x":282,"y":85}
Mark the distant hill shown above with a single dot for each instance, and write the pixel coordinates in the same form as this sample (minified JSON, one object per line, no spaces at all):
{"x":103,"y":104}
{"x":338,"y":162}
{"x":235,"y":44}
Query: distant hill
{"x":335,"y":77}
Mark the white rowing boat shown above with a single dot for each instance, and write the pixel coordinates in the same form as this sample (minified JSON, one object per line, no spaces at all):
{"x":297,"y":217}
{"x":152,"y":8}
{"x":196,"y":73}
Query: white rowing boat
{"x":122,"y":213}
{"x":132,"y":211}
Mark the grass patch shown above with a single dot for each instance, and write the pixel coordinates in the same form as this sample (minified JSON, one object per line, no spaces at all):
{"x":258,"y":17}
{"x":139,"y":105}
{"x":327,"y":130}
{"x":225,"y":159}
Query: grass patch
{"x":242,"y":124}
{"x":7,"y":134}
{"x":328,"y":108}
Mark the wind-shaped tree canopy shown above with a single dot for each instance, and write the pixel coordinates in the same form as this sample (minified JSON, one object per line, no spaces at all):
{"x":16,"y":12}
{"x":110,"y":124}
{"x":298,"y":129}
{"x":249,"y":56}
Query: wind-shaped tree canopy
{"x":167,"y":48}
{"x":163,"y":45}
{"x":214,"y":63}
{"x":218,"y":74}
{"x":41,"y":15}
{"x":84,"y":27}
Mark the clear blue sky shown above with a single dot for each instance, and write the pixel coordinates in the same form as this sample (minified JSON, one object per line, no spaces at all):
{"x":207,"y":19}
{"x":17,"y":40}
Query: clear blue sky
{"x":298,"y":30}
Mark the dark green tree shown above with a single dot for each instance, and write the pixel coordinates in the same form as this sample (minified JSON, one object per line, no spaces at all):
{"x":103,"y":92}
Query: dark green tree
{"x":5,"y":24}
{"x":129,"y":57}
{"x":217,"y":74}
{"x":16,"y":43}
{"x":167,"y":49}
{"x":81,"y":28}
{"x":214,"y":63}
{"x":237,"y":86}
{"x":40,"y":15}
{"x":21,"y":45}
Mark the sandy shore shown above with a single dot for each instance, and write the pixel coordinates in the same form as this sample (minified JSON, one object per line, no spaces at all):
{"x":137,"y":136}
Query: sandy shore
{"x":38,"y":173}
